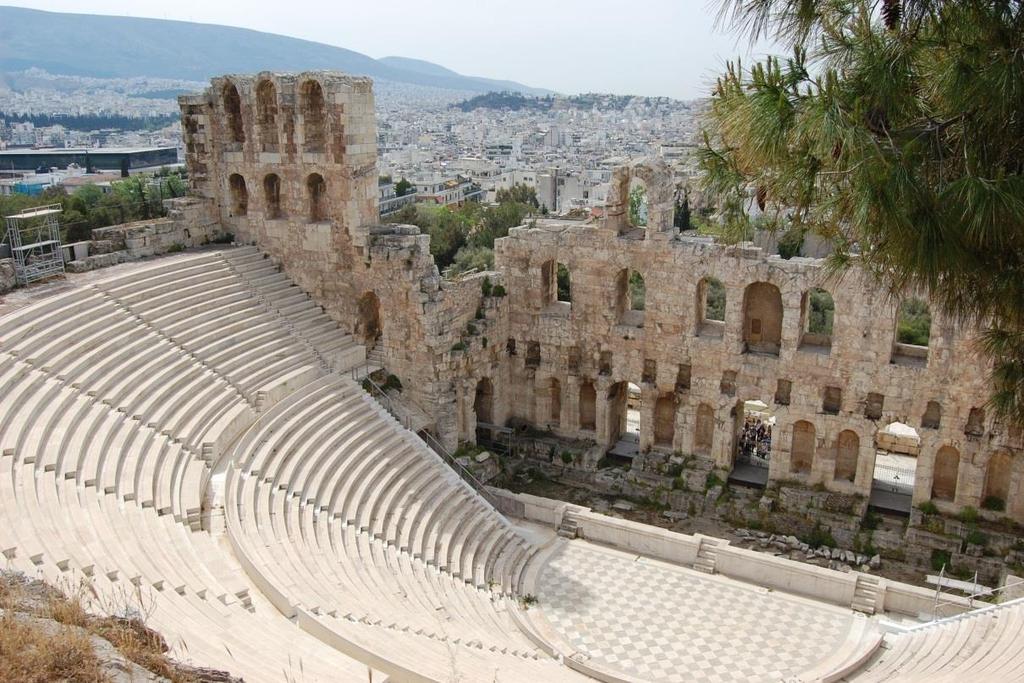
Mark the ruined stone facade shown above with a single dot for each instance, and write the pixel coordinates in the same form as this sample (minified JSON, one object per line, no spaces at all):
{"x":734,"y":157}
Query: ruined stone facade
{"x":289,"y":163}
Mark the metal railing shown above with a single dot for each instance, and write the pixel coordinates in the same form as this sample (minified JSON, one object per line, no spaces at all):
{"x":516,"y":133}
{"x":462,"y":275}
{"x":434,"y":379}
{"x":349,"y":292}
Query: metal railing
{"x":462,"y":470}
{"x":894,"y":479}
{"x":381,"y":396}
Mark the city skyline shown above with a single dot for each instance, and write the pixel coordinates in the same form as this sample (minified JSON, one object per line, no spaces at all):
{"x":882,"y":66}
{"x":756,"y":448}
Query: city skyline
{"x":669,"y":49}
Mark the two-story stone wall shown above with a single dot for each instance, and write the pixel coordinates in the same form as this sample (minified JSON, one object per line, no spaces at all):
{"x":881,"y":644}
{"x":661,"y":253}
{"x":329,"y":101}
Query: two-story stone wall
{"x":831,"y":394}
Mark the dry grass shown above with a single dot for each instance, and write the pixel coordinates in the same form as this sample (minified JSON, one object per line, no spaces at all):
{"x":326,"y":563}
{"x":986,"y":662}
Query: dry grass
{"x":28,"y":653}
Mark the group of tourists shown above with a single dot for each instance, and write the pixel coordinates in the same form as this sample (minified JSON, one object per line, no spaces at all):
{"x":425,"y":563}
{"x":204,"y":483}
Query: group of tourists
{"x":756,"y":438}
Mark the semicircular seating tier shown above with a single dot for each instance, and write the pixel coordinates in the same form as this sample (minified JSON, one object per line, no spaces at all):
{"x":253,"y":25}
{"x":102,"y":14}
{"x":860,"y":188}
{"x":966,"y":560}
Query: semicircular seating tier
{"x":118,"y":398}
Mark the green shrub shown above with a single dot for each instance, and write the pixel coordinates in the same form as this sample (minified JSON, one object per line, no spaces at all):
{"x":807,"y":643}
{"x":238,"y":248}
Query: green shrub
{"x":993,"y":503}
{"x":486,"y":286}
{"x":976,"y":537}
{"x":175,"y":248}
{"x":678,"y":484}
{"x":567,"y":457}
{"x":872,"y":520}
{"x":712,"y":481}
{"x":968,"y":515}
{"x":819,"y":536}
{"x":940,"y":559}
{"x":928,"y":508}
{"x":459,"y":346}
{"x":471,"y":329}
{"x":498,"y":291}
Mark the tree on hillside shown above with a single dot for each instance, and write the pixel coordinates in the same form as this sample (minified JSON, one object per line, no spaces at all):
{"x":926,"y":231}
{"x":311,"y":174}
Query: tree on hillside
{"x":518,"y":194}
{"x":895,"y":130}
{"x":403,"y":187}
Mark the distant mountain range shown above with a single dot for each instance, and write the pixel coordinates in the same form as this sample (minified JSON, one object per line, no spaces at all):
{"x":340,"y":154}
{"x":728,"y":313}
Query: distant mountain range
{"x":124,"y":47}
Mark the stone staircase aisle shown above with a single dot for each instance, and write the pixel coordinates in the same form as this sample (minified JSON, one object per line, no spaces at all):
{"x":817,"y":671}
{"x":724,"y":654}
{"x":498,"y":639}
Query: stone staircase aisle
{"x":865,"y":594}
{"x":707,"y":556}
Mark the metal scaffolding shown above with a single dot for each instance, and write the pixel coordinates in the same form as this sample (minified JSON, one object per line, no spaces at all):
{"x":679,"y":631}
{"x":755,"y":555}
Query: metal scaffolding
{"x":34,"y":239}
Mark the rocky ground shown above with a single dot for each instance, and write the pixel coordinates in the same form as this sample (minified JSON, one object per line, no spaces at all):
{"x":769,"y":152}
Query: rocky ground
{"x":49,"y":635}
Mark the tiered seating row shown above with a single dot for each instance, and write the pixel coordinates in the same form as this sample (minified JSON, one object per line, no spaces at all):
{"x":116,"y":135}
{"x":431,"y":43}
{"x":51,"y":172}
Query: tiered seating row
{"x":355,"y":528}
{"x":105,"y":418}
{"x":982,"y":646}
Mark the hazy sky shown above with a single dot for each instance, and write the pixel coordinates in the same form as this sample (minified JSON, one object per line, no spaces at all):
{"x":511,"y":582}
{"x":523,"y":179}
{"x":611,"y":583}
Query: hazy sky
{"x":644,"y":47}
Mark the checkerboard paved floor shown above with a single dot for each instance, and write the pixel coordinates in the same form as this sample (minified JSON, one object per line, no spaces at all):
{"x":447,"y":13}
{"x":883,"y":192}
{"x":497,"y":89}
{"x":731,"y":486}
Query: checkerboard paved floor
{"x":660,"y":622}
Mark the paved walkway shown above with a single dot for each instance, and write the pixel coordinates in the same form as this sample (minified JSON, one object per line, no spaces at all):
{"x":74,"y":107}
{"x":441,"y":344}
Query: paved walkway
{"x":661,"y":622}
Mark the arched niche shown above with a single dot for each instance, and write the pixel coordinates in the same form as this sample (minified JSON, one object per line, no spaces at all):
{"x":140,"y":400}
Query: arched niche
{"x":316,"y":193}
{"x":588,"y":406}
{"x":314,"y":116}
{"x":233,"y":113}
{"x":483,"y":402}
{"x":946,"y":474}
{"x":847,"y":453}
{"x":368,"y":327}
{"x":801,"y":451}
{"x":266,"y":115}
{"x":272,"y":196}
{"x":239,"y":195}
{"x":762,"y":318}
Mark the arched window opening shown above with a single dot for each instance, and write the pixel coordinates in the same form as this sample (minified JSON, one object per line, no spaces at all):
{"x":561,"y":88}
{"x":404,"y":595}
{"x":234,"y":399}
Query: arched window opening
{"x":818,"y":316}
{"x":368,"y":327}
{"x":314,"y":116}
{"x":975,"y":422}
{"x":624,"y":405}
{"x":801,"y":452}
{"x":555,"y":402}
{"x":947,"y":473}
{"x":483,"y":401}
{"x":588,"y":406}
{"x":704,"y":430}
{"x":272,"y":195}
{"x":316,"y":189}
{"x":762,"y":318}
{"x":630,"y":297}
{"x":665,"y":420}
{"x":266,"y":115}
{"x":564,"y":286}
{"x":997,"y":481}
{"x":913,"y":333}
{"x":637,"y":292}
{"x":847,"y":452}
{"x":932,"y":417}
{"x":638,"y":205}
{"x":239,"y":195}
{"x":233,"y":111}
{"x":710,"y":313}
{"x":897,"y":446}
{"x":555,"y":283}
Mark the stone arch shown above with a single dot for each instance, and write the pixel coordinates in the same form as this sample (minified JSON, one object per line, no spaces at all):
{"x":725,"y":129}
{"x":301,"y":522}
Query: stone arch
{"x":233,"y":113}
{"x":588,"y":406}
{"x":913,"y":322}
{"x":314,"y":116}
{"x":762,"y":318}
{"x":975,"y":422}
{"x":997,"y":478}
{"x":239,"y":195}
{"x":563,"y":283}
{"x":665,"y":419}
{"x":704,"y":430}
{"x":801,"y":451}
{"x":710,"y":307}
{"x":656,"y":178}
{"x":272,"y":195}
{"x":316,"y":191}
{"x":847,"y":453}
{"x":555,"y":401}
{"x":266,"y":115}
{"x":946,"y":473}
{"x":817,"y":311}
{"x":368,"y":327}
{"x":483,"y":401}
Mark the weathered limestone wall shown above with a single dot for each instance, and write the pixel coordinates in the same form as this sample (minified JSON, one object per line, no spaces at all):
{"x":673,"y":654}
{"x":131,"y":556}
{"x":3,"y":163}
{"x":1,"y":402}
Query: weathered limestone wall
{"x":711,"y":370}
{"x":289,"y":162}
{"x":7,"y":278}
{"x":189,"y":223}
